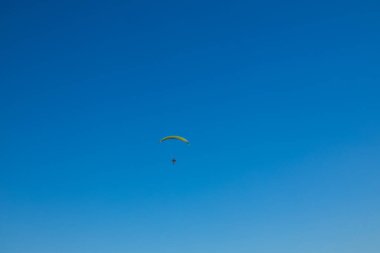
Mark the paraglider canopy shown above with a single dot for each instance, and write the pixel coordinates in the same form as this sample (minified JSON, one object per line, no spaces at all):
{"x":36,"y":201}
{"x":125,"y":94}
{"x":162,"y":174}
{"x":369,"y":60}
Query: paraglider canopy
{"x":175,"y":137}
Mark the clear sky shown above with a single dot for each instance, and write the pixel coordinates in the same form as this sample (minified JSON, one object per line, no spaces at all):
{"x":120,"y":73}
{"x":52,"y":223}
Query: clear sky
{"x":280,"y":100}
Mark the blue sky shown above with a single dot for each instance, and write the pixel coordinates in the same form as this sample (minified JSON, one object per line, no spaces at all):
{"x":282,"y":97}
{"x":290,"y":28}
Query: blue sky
{"x":279,"y":100}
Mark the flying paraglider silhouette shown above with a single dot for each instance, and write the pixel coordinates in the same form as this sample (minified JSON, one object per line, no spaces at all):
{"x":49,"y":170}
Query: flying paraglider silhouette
{"x":174,"y":137}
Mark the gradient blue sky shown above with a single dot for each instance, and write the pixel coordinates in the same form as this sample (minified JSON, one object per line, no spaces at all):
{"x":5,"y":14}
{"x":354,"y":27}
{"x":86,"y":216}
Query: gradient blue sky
{"x":280,"y":100}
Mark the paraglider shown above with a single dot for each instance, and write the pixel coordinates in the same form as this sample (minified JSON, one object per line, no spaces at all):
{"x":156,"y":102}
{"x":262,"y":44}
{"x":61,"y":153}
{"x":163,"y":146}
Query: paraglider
{"x":174,"y":137}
